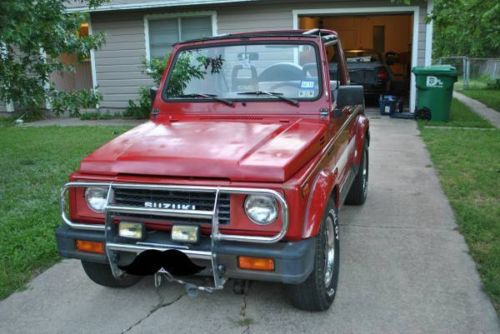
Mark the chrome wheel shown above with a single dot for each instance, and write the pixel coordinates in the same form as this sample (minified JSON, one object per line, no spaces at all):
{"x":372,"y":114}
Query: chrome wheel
{"x":329,"y":251}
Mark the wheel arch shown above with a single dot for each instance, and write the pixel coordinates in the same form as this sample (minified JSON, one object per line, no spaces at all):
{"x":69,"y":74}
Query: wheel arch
{"x":362,"y":133}
{"x":324,"y":187}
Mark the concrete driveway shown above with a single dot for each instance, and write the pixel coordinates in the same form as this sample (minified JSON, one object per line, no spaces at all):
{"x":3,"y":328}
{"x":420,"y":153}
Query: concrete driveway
{"x":404,"y":269}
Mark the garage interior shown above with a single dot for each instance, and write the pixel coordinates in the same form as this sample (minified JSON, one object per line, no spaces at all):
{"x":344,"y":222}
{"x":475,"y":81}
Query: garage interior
{"x":387,"y":33}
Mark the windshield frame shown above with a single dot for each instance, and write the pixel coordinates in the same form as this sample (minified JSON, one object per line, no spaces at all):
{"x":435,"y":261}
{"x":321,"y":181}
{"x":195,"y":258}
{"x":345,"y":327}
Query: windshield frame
{"x":166,"y":99}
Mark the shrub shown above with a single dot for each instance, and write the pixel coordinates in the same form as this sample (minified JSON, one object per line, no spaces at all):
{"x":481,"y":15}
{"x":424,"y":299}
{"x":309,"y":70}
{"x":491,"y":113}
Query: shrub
{"x":73,"y":101}
{"x":142,"y":107}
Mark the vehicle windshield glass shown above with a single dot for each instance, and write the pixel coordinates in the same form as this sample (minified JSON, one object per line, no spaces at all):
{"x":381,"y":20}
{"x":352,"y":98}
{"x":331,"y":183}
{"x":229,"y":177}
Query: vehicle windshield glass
{"x":243,"y":72}
{"x":361,"y":56}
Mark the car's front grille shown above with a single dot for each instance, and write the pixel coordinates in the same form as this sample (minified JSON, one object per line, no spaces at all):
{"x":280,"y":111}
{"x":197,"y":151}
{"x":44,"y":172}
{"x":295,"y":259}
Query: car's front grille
{"x":199,"y":201}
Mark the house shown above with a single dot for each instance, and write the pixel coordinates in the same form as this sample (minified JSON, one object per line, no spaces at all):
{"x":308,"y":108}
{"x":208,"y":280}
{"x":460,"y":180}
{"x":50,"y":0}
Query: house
{"x":139,"y":30}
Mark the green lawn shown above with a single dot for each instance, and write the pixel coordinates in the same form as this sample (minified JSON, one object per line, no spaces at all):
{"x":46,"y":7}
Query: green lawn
{"x":461,"y":116}
{"x":468,"y":163}
{"x":490,"y":97}
{"x":35,"y":162}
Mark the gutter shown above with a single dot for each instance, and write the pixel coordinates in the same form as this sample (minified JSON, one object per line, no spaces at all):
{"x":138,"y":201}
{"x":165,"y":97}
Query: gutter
{"x":156,"y":4}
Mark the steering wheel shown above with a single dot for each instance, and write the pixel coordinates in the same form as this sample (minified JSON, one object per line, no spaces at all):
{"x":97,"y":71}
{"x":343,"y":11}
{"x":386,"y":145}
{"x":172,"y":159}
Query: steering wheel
{"x":285,"y":84}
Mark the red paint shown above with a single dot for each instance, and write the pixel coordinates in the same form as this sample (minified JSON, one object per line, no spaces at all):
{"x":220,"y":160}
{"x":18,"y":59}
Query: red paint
{"x":268,"y":144}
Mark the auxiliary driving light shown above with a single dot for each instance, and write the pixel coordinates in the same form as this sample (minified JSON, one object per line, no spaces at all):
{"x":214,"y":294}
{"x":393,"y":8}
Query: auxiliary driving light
{"x":131,"y":230}
{"x":255,"y":263}
{"x":185,"y":233}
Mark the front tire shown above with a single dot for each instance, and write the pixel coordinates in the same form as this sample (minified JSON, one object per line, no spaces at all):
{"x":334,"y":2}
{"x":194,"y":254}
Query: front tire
{"x":318,"y":291}
{"x":102,"y":275}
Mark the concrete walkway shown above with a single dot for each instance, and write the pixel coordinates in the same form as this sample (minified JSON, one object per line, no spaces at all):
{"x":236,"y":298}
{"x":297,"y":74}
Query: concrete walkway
{"x":479,"y":108}
{"x":404,"y":269}
{"x":79,"y":122}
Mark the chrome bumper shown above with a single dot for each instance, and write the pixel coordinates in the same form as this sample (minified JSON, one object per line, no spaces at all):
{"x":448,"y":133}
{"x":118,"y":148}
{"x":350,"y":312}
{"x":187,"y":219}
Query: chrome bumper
{"x":216,"y":235}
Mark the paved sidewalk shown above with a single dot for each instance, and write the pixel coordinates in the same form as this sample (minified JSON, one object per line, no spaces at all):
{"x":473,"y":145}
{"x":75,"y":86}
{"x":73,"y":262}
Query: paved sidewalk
{"x":404,"y":269}
{"x":79,"y":122}
{"x":479,"y":108}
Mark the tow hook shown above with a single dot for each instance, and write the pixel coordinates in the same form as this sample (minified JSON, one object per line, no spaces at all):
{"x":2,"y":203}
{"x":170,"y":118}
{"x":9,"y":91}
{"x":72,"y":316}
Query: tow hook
{"x":241,"y":287}
{"x":192,"y":290}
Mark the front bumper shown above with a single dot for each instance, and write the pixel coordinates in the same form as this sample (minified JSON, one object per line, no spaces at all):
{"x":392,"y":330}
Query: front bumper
{"x":293,"y":260}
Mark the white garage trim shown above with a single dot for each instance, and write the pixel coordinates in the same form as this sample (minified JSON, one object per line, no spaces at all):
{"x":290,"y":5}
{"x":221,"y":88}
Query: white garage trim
{"x":415,"y":10}
{"x":429,"y":30}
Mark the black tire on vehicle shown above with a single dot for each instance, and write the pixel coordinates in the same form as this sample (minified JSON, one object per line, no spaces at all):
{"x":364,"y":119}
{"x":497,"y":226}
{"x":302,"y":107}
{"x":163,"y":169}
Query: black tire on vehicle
{"x":318,"y":291}
{"x":359,"y":188}
{"x":101,"y":274}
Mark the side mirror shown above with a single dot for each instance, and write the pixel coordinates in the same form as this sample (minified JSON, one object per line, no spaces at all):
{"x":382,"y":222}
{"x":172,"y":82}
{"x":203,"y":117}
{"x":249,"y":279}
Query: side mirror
{"x":152,"y":94}
{"x":350,"y":96}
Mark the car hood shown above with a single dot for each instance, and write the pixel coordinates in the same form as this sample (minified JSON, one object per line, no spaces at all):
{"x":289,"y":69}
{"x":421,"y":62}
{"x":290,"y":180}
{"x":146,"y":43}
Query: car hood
{"x":233,"y":150}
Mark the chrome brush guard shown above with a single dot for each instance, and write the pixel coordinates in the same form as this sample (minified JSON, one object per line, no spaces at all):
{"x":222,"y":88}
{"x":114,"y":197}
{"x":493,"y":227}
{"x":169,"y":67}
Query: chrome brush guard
{"x":216,"y":236}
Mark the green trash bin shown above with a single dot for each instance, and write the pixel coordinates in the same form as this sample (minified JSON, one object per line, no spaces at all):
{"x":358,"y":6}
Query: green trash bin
{"x":435,"y":89}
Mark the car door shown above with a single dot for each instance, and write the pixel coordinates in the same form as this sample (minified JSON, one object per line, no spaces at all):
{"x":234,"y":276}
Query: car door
{"x":345,"y":124}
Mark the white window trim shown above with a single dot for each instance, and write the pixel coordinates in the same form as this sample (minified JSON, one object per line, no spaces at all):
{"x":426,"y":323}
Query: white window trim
{"x":415,"y":10}
{"x":212,"y":14}
{"x":92,"y":59}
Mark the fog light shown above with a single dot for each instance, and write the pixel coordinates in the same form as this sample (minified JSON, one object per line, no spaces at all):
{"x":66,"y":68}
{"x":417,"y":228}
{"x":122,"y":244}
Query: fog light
{"x":255,"y":263}
{"x":89,"y":246}
{"x":185,"y":233}
{"x":131,"y":230}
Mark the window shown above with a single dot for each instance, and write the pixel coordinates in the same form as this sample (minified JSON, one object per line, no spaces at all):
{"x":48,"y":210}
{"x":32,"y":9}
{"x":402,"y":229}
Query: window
{"x":164,"y":32}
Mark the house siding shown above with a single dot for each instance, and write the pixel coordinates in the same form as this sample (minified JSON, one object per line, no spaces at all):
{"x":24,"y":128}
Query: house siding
{"x":119,"y":63}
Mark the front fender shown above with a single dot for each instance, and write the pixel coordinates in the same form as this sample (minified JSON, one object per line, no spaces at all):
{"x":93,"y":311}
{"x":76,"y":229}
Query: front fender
{"x":323,"y":187}
{"x":362,"y":132}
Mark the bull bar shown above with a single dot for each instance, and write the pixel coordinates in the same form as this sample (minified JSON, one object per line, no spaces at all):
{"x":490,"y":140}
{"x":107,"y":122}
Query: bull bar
{"x":216,"y":236}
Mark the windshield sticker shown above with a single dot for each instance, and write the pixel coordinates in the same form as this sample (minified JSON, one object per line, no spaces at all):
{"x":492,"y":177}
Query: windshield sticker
{"x":307,"y":84}
{"x":307,"y":93}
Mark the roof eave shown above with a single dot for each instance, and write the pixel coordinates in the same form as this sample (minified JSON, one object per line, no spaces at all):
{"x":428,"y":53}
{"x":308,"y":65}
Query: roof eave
{"x":149,"y":5}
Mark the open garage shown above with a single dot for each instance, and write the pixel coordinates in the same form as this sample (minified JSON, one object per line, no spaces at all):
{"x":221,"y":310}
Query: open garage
{"x":378,"y":49}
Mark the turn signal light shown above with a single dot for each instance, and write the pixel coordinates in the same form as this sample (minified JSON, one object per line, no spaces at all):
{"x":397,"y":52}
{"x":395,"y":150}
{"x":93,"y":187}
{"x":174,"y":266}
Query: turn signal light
{"x":255,"y":263}
{"x":89,"y":246}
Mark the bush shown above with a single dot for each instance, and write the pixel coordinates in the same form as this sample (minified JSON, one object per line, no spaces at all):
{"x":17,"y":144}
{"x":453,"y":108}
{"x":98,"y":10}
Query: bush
{"x":142,"y":107}
{"x":73,"y":101}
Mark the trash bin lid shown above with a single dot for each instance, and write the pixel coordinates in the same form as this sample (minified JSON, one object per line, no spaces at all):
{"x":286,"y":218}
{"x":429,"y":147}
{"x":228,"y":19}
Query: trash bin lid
{"x":440,"y":70}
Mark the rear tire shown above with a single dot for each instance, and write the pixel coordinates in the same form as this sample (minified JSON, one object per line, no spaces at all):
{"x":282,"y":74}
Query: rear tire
{"x":102,"y":275}
{"x":359,"y":188}
{"x":318,"y":291}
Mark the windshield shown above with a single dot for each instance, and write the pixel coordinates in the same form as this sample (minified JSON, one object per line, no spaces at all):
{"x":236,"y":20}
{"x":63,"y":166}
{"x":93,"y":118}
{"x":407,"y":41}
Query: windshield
{"x":282,"y":72}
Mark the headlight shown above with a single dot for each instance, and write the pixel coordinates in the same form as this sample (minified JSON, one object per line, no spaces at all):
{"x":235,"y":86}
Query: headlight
{"x":262,"y":210}
{"x":96,"y":198}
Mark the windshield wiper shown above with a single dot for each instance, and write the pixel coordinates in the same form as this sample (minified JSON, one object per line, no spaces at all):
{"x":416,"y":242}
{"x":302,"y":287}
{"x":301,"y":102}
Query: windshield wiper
{"x":275,"y":94}
{"x":209,"y":96}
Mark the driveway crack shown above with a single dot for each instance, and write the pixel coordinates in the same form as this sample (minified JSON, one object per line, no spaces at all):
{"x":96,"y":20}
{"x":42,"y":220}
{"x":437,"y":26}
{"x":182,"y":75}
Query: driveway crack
{"x":161,"y":304}
{"x":244,"y":320}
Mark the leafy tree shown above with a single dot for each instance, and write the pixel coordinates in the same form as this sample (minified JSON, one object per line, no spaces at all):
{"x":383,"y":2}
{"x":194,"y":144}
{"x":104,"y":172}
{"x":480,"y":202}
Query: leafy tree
{"x":466,"y":27}
{"x":33,"y":34}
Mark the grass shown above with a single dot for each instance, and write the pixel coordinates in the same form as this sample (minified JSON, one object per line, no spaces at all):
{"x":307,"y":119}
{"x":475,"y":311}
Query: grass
{"x":468,"y":164}
{"x":461,"y":116}
{"x":35,"y":162}
{"x":490,"y":97}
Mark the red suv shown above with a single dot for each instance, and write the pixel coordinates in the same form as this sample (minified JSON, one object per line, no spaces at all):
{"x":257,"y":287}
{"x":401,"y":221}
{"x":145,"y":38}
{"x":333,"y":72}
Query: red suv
{"x":249,"y":153}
